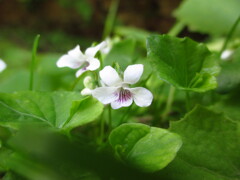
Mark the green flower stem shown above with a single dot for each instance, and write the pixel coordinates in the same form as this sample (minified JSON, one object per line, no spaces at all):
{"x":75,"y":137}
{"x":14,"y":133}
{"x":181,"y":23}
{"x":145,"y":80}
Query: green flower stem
{"x":176,"y":29}
{"x":169,"y":103}
{"x":109,"y":23}
{"x":101,"y":61}
{"x":109,"y":117}
{"x":230,"y":34}
{"x":75,"y":83}
{"x":125,"y":114}
{"x":102,"y":125}
{"x":33,"y":62}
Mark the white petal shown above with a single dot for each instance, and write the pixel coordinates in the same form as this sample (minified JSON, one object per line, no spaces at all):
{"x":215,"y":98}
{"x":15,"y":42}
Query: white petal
{"x":110,"y":76}
{"x":93,"y":64}
{"x":133,"y":73}
{"x":76,"y":53}
{"x":80,"y":72}
{"x":69,"y":61}
{"x":105,"y":95}
{"x":141,"y":96}
{"x":2,"y":65}
{"x":107,"y":47}
{"x":105,"y":50}
{"x":91,"y":52}
{"x":86,"y":92}
{"x":118,"y":104}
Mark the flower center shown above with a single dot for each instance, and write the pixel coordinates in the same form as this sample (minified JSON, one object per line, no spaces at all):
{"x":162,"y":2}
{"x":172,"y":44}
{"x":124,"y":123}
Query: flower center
{"x":85,"y":65}
{"x":124,"y":95}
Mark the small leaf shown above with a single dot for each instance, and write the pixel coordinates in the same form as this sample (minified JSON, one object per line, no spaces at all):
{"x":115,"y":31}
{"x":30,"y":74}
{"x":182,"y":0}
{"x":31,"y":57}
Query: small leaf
{"x":183,"y":63}
{"x":147,"y":148}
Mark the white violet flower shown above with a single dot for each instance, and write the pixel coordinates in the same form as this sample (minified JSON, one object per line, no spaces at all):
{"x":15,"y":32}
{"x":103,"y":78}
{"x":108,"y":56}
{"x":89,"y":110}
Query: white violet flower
{"x":76,"y":59}
{"x":3,"y":65}
{"x":117,"y":90}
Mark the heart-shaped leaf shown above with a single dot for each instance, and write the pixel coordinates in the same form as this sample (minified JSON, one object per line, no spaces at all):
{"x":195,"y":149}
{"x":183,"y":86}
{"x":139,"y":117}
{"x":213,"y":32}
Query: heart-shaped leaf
{"x":64,"y":110}
{"x":183,"y":62}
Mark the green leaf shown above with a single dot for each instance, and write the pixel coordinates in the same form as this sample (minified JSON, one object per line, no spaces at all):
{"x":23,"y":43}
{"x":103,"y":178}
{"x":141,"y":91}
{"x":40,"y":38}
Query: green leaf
{"x":210,"y":150}
{"x":48,"y":108}
{"x":147,"y":148}
{"x":214,"y":17}
{"x":183,"y":62}
{"x":121,"y":53}
{"x":86,"y":111}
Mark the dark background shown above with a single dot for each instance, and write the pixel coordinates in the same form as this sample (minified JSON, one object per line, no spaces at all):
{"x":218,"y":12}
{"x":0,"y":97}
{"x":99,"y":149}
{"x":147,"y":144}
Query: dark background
{"x":65,"y":22}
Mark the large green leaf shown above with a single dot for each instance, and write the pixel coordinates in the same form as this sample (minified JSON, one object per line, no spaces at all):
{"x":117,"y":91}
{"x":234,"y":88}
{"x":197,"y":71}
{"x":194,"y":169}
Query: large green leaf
{"x":53,"y":109}
{"x":146,"y":148}
{"x":42,"y":154}
{"x":209,"y":16}
{"x":211,"y":148}
{"x":183,"y":63}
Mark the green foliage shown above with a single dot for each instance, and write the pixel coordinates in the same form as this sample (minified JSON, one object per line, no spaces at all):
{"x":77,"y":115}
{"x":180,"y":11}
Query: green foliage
{"x":57,"y":134}
{"x":183,"y":63}
{"x":147,"y":148}
{"x":214,"y":17}
{"x":122,"y":53}
{"x":229,"y":105}
{"x":229,"y":78}
{"x":139,"y":35}
{"x":37,"y":153}
{"x":210,"y":147}
{"x":52,"y":109}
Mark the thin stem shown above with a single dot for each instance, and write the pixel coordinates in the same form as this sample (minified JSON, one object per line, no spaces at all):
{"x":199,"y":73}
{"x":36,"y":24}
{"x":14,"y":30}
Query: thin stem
{"x":230,"y":34}
{"x":125,"y":115}
{"x":101,"y":61}
{"x":102,"y":124}
{"x":187,"y":101}
{"x":33,"y":61}
{"x":176,"y":29}
{"x":110,"y":117}
{"x":109,"y":23}
{"x":169,"y":103}
{"x":75,"y":83}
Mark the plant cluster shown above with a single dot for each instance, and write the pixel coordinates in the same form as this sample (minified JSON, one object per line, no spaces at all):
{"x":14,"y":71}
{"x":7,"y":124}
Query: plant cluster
{"x":135,"y":106}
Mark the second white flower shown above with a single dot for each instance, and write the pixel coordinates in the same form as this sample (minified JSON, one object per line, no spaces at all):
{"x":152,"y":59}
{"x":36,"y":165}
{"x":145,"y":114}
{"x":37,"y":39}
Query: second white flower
{"x":117,"y":91}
